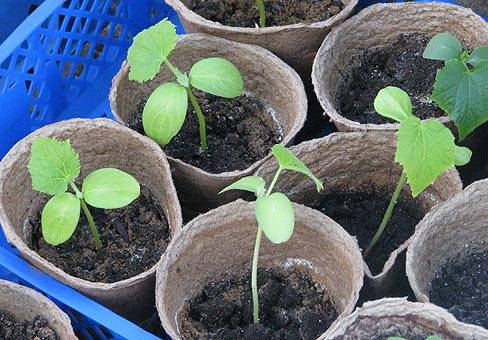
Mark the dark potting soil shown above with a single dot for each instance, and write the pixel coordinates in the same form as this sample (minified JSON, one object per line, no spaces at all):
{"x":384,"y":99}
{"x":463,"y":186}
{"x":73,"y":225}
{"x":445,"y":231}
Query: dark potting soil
{"x":479,"y":6}
{"x":36,"y":329}
{"x":292,"y":306}
{"x":361,"y":213}
{"x":240,"y":132}
{"x":399,"y":65}
{"x":244,"y":13}
{"x":461,"y":286}
{"x":133,"y":240}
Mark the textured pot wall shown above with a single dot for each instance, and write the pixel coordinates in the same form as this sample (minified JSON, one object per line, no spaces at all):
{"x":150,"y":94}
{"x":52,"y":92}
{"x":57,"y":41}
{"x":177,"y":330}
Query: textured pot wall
{"x":221,"y":242}
{"x":378,"y":26}
{"x":23,"y":303}
{"x":457,"y":226}
{"x":385,"y":315}
{"x":100,"y":143}
{"x":264,"y":75}
{"x":295,"y":44}
{"x":356,"y":160}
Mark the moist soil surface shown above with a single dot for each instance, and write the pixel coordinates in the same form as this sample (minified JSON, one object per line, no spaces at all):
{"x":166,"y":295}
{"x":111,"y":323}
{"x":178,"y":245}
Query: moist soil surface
{"x":292,"y":306}
{"x":361,"y":213}
{"x":461,"y":286}
{"x":398,"y":65}
{"x":244,"y":13}
{"x":133,"y":240}
{"x":240,"y":132}
{"x":37,"y":329}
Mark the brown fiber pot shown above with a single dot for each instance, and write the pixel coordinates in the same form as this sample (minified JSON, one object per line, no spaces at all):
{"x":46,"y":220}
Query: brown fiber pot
{"x":455,"y":227}
{"x":355,"y":160}
{"x":296,"y":44}
{"x":100,"y":143}
{"x":24,"y":303}
{"x":222,"y":241}
{"x":264,"y":75}
{"x":390,"y":315}
{"x":379,"y":26}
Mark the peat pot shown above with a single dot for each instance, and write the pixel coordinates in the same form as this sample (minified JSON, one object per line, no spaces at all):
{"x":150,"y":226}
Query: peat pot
{"x":296,"y":44}
{"x":100,"y":143}
{"x":359,"y":176}
{"x":219,"y":244}
{"x":266,"y":78}
{"x":25,"y":304}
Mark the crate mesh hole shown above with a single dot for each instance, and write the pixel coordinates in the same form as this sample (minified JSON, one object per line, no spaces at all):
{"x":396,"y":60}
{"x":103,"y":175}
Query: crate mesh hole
{"x":86,"y":48}
{"x":98,"y":52}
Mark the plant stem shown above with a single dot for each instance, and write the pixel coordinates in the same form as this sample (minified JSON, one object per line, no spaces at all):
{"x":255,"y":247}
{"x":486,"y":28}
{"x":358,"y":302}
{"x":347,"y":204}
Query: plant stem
{"x":254,"y":277}
{"x":388,"y":213}
{"x":201,"y":120}
{"x":89,"y":217}
{"x":180,"y":77}
{"x":262,"y":13}
{"x":273,"y":182}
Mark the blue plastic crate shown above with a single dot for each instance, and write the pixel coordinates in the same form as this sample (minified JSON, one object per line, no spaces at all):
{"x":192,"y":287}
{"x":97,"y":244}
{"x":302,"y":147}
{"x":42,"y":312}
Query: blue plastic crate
{"x":57,"y":64}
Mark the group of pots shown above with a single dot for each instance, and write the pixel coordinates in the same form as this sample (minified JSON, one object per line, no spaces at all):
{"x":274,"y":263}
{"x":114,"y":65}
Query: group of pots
{"x":201,"y":258}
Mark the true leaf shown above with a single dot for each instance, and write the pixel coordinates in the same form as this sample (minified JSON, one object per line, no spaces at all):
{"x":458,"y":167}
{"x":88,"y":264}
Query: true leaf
{"x":443,"y":46}
{"x":462,"y":155}
{"x":276,"y":217}
{"x":165,"y":112}
{"x":53,"y":163}
{"x":110,"y":188}
{"x":425,"y":150}
{"x":217,"y":76}
{"x":59,"y":218}
{"x":288,"y":161}
{"x":394,"y":103}
{"x":478,"y":56}
{"x":254,"y":184}
{"x":149,"y":49}
{"x":463,"y":94}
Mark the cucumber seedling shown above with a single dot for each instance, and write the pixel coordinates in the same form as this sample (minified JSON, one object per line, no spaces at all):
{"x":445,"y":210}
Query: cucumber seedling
{"x":431,"y":337}
{"x":274,"y":210}
{"x":262,"y":13}
{"x":165,"y":110}
{"x":425,"y":149}
{"x":54,"y":165}
{"x":461,"y":86}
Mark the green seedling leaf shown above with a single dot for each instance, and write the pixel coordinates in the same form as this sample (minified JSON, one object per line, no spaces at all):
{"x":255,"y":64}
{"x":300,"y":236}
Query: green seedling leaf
{"x":425,"y":150}
{"x":110,"y":189}
{"x":52,"y":165}
{"x":217,"y":76}
{"x":254,"y":184}
{"x":394,"y":103}
{"x":478,"y":56}
{"x":165,"y":112}
{"x":288,"y":161}
{"x":443,"y":46}
{"x":59,"y":218}
{"x":463,"y":94}
{"x":276,"y":217}
{"x":434,"y":337}
{"x":149,"y":49}
{"x":396,"y":338}
{"x":462,"y":155}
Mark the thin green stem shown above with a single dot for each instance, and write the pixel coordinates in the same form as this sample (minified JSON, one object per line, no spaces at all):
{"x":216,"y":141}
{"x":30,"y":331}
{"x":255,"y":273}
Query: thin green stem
{"x":89,"y":217}
{"x":388,"y":213}
{"x":262,"y":13}
{"x":254,"y":277}
{"x":201,"y":120}
{"x":180,"y":77}
{"x":273,"y":182}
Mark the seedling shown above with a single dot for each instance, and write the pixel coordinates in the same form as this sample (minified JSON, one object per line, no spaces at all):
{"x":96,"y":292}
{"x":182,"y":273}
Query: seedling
{"x":274,"y":211}
{"x":425,"y":149}
{"x":431,"y":337}
{"x":262,"y":13}
{"x":53,"y":166}
{"x":461,"y":86}
{"x":165,"y":110}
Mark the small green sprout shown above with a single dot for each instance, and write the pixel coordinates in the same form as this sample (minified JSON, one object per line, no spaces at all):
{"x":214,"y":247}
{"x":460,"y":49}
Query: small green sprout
{"x":431,"y":337}
{"x":274,"y":211}
{"x":461,"y":86}
{"x":165,"y":110}
{"x":262,"y":13}
{"x":425,"y":149}
{"x":53,"y":166}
